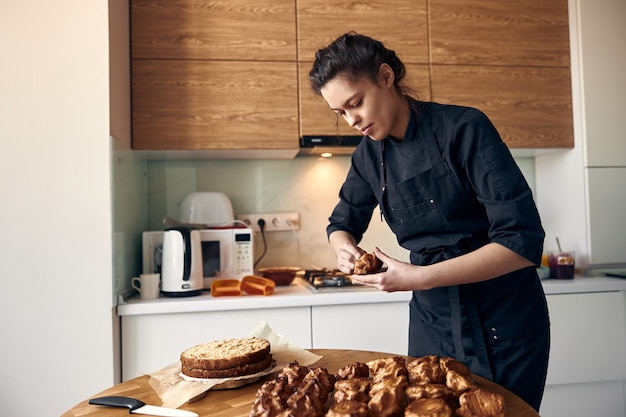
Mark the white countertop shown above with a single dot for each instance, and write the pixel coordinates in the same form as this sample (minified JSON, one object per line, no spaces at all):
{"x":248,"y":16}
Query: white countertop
{"x":299,"y":294}
{"x":553,"y":286}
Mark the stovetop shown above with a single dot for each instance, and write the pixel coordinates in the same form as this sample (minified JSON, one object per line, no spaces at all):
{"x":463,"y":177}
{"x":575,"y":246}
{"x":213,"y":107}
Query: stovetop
{"x":326,"y":280}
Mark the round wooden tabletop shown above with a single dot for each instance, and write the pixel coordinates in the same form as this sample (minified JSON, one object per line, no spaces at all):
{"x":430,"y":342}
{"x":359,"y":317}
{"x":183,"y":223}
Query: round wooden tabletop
{"x":238,"y":402}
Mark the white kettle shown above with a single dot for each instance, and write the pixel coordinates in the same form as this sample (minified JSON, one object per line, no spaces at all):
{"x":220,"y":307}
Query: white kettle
{"x":181,"y":266}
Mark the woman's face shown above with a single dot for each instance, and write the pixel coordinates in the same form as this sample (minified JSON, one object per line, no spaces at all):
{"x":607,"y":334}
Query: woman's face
{"x":372,"y":108}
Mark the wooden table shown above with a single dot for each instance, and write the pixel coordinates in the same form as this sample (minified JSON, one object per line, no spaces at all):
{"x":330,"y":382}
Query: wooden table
{"x":237,"y":402}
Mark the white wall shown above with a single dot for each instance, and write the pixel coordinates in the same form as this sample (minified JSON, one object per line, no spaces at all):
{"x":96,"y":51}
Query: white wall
{"x":55,"y":244}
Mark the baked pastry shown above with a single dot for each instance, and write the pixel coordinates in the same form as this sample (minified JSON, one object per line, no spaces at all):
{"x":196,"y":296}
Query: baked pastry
{"x":354,"y":370}
{"x":481,"y":403}
{"x":322,"y":377}
{"x":353,"y":389}
{"x":225,"y":354}
{"x":308,"y":400}
{"x":296,"y":391}
{"x":389,"y":383}
{"x":428,"y":407}
{"x":368,"y":263}
{"x":451,"y":364}
{"x":227,"y":358}
{"x":459,"y":383}
{"x":387,"y":403}
{"x":348,"y":408}
{"x":249,"y":369}
{"x":387,"y":367}
{"x":417,"y":392}
{"x":385,"y":387}
{"x":426,"y":370}
{"x":267,"y":405}
{"x":294,"y":373}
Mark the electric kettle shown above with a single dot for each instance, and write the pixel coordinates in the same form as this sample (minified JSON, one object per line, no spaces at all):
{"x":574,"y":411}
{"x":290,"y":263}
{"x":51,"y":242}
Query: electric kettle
{"x":181,"y":265}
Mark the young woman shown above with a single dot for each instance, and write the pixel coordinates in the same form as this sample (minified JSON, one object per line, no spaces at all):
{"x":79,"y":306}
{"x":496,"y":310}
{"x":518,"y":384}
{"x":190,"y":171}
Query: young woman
{"x":451,"y":192}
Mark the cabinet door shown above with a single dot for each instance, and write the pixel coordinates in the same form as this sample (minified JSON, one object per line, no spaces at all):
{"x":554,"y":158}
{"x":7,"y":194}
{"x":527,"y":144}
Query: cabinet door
{"x":530,"y":106}
{"x":494,"y":32}
{"x":607,"y":229}
{"x":604,"y":84}
{"x":230,"y":29}
{"x":382,"y":327}
{"x":510,"y":60}
{"x":190,"y":105}
{"x":316,"y":118}
{"x":400,"y":24}
{"x":588,"y":338}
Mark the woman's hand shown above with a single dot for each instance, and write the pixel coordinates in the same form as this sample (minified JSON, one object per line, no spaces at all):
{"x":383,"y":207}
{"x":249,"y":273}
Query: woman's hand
{"x":490,"y":261}
{"x":395,"y":278}
{"x":347,"y":255}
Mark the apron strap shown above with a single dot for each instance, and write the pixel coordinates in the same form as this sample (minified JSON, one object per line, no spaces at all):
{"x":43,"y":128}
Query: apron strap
{"x":430,"y":143}
{"x":455,"y":321}
{"x":478,"y":337}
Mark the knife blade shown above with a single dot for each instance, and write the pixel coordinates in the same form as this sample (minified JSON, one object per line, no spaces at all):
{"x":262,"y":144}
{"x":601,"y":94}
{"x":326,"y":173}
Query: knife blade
{"x":139,"y":407}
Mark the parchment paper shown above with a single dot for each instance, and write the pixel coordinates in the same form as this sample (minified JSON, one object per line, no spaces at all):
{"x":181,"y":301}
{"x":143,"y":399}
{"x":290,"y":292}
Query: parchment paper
{"x":174,"y":389}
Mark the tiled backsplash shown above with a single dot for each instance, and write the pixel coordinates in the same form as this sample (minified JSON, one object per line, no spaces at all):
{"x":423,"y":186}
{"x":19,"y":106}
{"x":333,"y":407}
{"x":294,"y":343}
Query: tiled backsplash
{"x":307,"y":185}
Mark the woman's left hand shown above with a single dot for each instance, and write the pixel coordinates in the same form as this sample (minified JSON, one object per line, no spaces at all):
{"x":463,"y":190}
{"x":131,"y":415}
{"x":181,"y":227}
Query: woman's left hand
{"x":397,"y":277}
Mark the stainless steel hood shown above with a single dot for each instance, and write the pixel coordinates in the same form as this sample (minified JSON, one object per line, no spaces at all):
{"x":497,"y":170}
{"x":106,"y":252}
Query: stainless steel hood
{"x":337,"y":145}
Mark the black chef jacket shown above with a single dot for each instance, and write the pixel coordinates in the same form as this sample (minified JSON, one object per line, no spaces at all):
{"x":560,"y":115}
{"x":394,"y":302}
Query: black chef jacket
{"x":449,"y":188}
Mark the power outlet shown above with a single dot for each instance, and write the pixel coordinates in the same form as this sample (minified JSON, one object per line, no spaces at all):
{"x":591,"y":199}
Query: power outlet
{"x":274,"y":222}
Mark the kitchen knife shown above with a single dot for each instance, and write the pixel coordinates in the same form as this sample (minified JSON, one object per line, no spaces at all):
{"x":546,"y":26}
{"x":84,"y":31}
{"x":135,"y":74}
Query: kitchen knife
{"x":139,"y":407}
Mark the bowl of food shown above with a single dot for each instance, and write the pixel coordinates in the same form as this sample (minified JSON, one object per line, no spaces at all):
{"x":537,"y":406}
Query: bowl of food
{"x":281,"y":275}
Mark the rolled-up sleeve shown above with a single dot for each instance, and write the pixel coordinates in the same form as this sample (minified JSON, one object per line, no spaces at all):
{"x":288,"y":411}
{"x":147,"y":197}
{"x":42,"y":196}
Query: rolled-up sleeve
{"x":499,"y":185}
{"x":356,"y":201}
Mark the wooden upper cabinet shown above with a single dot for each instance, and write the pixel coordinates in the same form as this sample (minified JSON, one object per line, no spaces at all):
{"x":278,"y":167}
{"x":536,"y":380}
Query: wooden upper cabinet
{"x":214,"y":75}
{"x":227,"y":29}
{"x":197,"y":105}
{"x":400,"y":24}
{"x":510,"y":60}
{"x":530,"y":107}
{"x":496,"y":32}
{"x":233,"y":74}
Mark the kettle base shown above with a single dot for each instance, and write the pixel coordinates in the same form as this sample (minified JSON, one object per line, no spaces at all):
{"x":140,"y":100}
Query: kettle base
{"x":181,"y":293}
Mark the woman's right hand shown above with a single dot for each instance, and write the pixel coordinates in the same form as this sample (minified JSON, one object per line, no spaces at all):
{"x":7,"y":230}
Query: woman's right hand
{"x":347,"y":255}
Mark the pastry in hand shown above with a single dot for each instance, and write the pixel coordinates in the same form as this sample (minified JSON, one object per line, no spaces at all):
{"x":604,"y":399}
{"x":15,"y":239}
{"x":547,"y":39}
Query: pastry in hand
{"x":368,"y":263}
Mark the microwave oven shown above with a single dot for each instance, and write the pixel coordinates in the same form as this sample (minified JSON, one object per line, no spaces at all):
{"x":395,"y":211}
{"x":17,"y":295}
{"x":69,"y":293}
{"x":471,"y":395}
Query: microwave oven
{"x":226,"y":253}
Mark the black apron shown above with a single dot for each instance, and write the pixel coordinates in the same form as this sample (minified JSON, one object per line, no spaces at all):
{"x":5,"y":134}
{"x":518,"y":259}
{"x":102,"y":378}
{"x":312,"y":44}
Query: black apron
{"x":482,"y":324}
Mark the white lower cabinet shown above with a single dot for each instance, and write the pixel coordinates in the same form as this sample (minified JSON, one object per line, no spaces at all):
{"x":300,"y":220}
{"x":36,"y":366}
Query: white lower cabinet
{"x":587,"y":370}
{"x":597,"y":399}
{"x":153,"y":341}
{"x":382,"y":327}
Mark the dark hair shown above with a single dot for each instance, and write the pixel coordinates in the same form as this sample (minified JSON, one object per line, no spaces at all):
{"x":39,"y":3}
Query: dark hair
{"x":354,"y":56}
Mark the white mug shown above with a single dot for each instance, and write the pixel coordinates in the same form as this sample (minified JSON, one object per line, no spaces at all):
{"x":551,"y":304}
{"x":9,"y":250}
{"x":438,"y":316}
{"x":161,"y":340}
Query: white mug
{"x":149,"y":285}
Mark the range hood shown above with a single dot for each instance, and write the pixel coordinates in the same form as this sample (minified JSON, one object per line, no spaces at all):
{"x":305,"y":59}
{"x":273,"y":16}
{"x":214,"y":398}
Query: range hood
{"x":336,"y":145}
